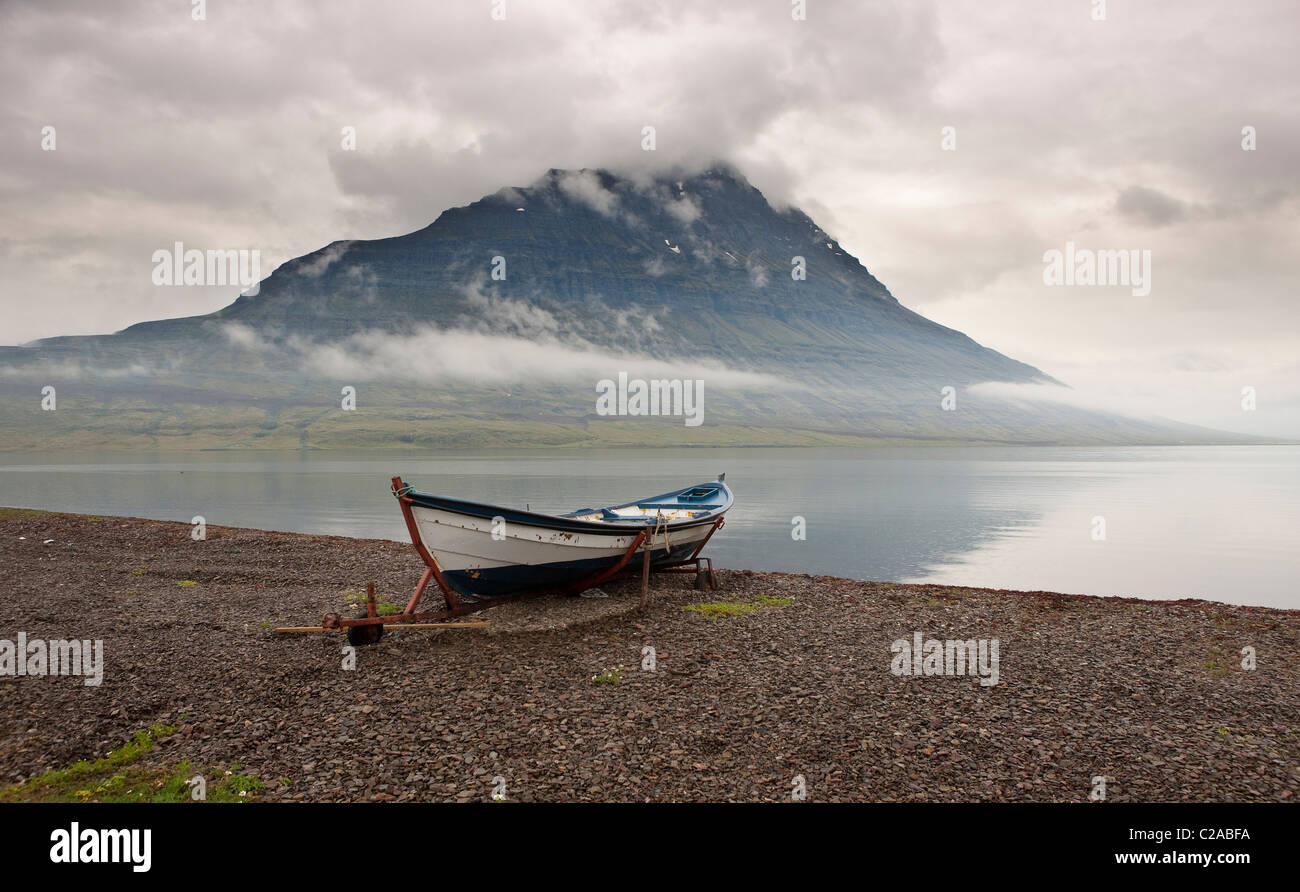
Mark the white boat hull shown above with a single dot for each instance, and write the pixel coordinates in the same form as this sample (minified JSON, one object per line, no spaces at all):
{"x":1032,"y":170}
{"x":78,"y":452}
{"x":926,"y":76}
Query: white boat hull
{"x":488,"y":555}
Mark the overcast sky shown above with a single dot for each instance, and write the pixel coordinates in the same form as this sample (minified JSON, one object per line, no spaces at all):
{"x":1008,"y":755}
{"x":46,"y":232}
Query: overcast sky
{"x":1122,"y":133}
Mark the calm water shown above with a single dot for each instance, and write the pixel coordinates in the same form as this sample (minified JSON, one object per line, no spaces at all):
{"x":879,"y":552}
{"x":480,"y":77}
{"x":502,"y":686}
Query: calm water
{"x":1213,"y":522}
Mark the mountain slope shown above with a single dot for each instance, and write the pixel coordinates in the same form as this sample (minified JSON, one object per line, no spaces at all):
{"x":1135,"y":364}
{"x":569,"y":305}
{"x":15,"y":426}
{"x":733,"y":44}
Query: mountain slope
{"x":707,"y":258}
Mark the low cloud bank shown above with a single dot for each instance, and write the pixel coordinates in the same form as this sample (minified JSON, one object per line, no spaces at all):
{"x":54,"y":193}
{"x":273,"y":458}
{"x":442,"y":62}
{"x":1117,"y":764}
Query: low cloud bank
{"x":1032,"y":394}
{"x":434,"y":355}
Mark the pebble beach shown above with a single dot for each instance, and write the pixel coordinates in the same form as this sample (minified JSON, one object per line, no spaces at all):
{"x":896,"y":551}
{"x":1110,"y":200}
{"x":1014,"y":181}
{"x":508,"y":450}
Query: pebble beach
{"x":771,"y":686}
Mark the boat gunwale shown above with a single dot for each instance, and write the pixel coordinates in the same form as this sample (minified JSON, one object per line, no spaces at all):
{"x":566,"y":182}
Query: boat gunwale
{"x":561,"y":523}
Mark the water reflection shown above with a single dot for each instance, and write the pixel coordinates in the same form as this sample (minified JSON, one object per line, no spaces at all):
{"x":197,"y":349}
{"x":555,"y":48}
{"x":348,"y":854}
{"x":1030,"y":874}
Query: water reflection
{"x":1184,"y":521}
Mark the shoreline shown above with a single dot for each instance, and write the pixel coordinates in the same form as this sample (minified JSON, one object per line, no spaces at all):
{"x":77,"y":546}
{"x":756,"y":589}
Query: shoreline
{"x":792,"y":677}
{"x":840,"y":441}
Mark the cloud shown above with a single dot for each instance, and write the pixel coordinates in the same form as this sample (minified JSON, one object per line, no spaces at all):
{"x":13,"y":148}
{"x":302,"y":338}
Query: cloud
{"x":432,"y":356}
{"x":686,"y":209}
{"x":504,"y":341}
{"x":1067,"y":129}
{"x":243,"y":336}
{"x":1055,"y":394}
{"x":1206,"y":389}
{"x":53,"y":371}
{"x":585,"y":186}
{"x":500,"y":315}
{"x":316,"y":266}
{"x":44,"y":370}
{"x":1150,"y":207}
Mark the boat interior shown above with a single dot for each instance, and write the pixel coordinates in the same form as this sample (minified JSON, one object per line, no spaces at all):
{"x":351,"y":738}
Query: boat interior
{"x":636,"y":512}
{"x":696,"y":501}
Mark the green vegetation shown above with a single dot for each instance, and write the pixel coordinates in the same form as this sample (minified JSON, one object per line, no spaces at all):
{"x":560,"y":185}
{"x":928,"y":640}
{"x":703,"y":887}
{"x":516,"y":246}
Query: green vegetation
{"x":400,"y":428}
{"x":116,"y":778}
{"x":382,"y":607}
{"x":1216,"y":664}
{"x":609,"y":676}
{"x":933,"y":598}
{"x":16,"y":513}
{"x":721,"y":608}
{"x":187,"y":582}
{"x":717,"y":609}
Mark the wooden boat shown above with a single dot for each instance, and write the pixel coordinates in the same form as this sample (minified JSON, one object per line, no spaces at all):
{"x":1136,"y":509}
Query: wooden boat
{"x":480,"y":554}
{"x":489,"y":551}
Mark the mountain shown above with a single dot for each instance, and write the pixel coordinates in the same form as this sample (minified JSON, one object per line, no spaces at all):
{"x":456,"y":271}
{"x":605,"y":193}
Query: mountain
{"x":493,"y":325}
{"x":707,"y":255}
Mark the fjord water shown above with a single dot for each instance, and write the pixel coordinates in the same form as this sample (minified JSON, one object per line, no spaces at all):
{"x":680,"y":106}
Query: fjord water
{"x":1220,"y":523}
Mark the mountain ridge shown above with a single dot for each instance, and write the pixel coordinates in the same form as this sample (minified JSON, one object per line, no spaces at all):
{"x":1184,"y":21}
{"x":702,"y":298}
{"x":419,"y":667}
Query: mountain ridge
{"x":712,"y":219}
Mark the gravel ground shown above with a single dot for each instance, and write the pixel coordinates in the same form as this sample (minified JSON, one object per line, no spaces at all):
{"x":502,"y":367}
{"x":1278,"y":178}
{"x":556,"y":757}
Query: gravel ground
{"x":1149,"y":694}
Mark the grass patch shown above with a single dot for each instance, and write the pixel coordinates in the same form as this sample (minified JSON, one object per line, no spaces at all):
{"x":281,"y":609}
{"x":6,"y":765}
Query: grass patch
{"x":17,"y":513}
{"x":609,"y":676}
{"x":718,"y":609}
{"x":58,"y":784}
{"x":932,"y":601}
{"x":382,"y":607}
{"x":1217,"y":665}
{"x":187,"y":582}
{"x":116,"y":778}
